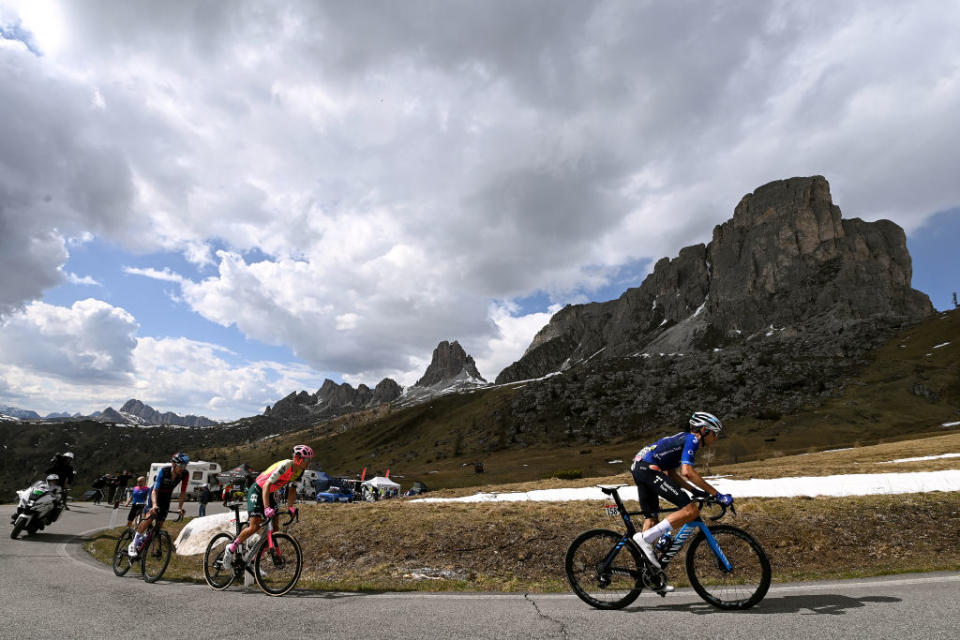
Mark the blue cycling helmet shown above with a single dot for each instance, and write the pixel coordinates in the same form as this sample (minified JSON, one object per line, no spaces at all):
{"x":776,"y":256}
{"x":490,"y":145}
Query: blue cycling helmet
{"x":704,"y":420}
{"x":180,"y":458}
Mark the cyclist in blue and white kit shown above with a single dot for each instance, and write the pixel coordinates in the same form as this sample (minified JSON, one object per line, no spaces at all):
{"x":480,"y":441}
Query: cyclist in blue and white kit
{"x":663,"y":469}
{"x":167,"y":479}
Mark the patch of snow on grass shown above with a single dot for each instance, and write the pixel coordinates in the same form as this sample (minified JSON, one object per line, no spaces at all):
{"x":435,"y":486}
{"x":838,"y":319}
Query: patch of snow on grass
{"x":836,"y":486}
{"x":921,"y":458}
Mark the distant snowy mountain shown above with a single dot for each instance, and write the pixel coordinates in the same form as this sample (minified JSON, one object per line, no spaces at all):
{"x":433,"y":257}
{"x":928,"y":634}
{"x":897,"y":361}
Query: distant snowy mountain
{"x":136,"y":413}
{"x":19,"y":414}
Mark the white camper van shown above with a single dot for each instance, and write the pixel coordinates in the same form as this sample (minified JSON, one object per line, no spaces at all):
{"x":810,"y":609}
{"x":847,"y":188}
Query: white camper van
{"x":201,"y":472}
{"x":306,"y":487}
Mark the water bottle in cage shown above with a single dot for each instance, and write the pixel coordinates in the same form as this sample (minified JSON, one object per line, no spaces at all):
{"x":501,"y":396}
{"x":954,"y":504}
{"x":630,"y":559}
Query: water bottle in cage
{"x":664,"y":542}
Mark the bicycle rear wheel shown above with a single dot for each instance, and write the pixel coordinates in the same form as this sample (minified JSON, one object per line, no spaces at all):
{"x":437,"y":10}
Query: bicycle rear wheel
{"x":740,"y":588}
{"x":277,"y":569}
{"x":156,"y":556}
{"x":612,"y":588}
{"x":121,"y":560}
{"x":213,"y":571}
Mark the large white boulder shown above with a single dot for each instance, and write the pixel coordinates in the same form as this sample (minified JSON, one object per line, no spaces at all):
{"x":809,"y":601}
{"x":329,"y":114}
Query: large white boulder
{"x":194,"y":537}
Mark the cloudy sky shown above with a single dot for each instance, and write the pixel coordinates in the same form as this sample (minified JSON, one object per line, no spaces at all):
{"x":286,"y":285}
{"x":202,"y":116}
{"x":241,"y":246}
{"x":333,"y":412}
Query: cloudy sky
{"x":208,"y":205}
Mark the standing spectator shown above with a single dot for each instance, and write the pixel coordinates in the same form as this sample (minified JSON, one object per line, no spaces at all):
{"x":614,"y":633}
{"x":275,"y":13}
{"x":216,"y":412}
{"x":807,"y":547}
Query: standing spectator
{"x":227,"y":490}
{"x":203,"y":498}
{"x":120,"y":493}
{"x":138,"y":498}
{"x":98,"y":486}
{"x":111,"y":486}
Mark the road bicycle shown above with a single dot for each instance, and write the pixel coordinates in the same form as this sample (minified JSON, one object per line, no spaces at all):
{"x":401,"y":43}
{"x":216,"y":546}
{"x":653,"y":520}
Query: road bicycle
{"x":153,"y":556}
{"x":275,"y":560}
{"x":726,"y":566}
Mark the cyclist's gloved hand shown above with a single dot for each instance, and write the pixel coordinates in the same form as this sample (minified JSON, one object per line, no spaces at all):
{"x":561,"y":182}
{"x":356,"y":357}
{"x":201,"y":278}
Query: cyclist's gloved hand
{"x":725,"y":499}
{"x":269,"y":512}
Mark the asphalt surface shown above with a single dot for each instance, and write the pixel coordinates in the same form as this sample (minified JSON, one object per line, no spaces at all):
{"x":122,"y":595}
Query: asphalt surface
{"x":51,"y":588}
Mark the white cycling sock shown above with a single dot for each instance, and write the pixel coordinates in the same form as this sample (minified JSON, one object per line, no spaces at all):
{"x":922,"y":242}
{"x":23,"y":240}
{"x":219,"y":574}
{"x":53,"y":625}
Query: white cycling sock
{"x":653,"y":534}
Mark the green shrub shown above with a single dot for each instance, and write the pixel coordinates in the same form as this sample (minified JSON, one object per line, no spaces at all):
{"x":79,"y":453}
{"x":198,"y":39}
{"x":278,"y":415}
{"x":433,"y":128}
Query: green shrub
{"x":566,"y":474}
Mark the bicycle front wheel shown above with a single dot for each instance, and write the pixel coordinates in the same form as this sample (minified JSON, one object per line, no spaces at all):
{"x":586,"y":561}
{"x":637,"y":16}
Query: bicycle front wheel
{"x":121,"y":560}
{"x":277,"y":569}
{"x":597,"y":579}
{"x":156,"y":556}
{"x":745,"y":584}
{"x":213,"y":571}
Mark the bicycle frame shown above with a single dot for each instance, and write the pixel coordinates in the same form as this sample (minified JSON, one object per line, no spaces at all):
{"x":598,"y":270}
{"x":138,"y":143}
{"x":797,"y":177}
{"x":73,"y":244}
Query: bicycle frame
{"x":684,"y":534}
{"x":154,"y":528}
{"x":265,"y":522}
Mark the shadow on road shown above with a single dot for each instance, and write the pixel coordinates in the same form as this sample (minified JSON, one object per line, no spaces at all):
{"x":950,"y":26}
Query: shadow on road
{"x":820,"y":604}
{"x":47,"y":537}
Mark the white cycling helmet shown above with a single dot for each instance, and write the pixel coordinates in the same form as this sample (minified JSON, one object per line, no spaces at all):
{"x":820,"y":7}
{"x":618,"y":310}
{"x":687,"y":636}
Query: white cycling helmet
{"x":53,"y":478}
{"x":704,"y":420}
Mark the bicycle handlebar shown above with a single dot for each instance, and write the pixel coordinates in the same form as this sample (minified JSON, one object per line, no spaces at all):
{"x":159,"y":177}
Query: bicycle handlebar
{"x":294,"y":515}
{"x":707,"y":500}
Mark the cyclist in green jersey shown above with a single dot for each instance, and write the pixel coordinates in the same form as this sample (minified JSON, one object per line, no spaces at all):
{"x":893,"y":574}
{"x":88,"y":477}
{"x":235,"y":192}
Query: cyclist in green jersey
{"x":260,"y":499}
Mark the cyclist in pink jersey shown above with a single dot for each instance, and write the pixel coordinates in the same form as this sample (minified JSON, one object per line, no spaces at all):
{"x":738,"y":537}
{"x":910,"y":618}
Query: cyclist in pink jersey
{"x":260,"y":499}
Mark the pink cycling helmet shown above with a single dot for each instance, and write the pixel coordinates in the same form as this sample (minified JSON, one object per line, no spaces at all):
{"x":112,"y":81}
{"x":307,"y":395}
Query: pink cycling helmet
{"x":303,"y":451}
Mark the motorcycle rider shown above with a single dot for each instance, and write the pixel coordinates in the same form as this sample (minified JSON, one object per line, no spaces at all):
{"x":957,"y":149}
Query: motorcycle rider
{"x":53,"y":481}
{"x":61,"y":465}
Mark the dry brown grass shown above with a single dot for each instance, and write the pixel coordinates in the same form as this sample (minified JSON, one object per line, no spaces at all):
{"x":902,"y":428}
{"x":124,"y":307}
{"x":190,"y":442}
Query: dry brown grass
{"x":520,"y":546}
{"x":405,"y":545}
{"x":855,"y":460}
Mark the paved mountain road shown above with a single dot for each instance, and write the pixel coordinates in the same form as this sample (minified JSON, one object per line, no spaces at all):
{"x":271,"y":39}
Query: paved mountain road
{"x":50,"y":588}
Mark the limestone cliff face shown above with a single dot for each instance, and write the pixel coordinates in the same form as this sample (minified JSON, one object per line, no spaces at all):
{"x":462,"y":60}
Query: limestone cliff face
{"x":449,"y":361}
{"x":786,"y":259}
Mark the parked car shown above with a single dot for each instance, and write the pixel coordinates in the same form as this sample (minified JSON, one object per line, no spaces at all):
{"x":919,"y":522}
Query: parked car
{"x":335,"y":494}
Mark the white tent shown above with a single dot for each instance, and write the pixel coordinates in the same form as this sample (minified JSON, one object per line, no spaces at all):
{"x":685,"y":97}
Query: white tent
{"x":381,"y":483}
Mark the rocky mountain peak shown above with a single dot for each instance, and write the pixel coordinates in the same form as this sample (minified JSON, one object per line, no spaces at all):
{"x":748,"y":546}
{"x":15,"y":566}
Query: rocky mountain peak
{"x":449,"y":362}
{"x":333,"y":399}
{"x":148,"y":415}
{"x":786,"y":259}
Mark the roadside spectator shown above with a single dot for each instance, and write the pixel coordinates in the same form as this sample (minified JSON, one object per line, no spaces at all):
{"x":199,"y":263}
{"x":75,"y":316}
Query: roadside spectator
{"x":111,"y":486}
{"x":227,"y":490}
{"x":120,"y":494}
{"x":98,"y":486}
{"x":203,"y":498}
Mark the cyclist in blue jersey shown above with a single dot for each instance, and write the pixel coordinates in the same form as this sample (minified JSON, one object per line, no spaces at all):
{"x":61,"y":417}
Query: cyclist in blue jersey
{"x":664,"y":469}
{"x":167,"y":480}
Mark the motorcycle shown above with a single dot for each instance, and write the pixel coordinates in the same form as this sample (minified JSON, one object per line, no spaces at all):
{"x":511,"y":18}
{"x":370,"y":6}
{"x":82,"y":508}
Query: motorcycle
{"x":39,"y":506}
